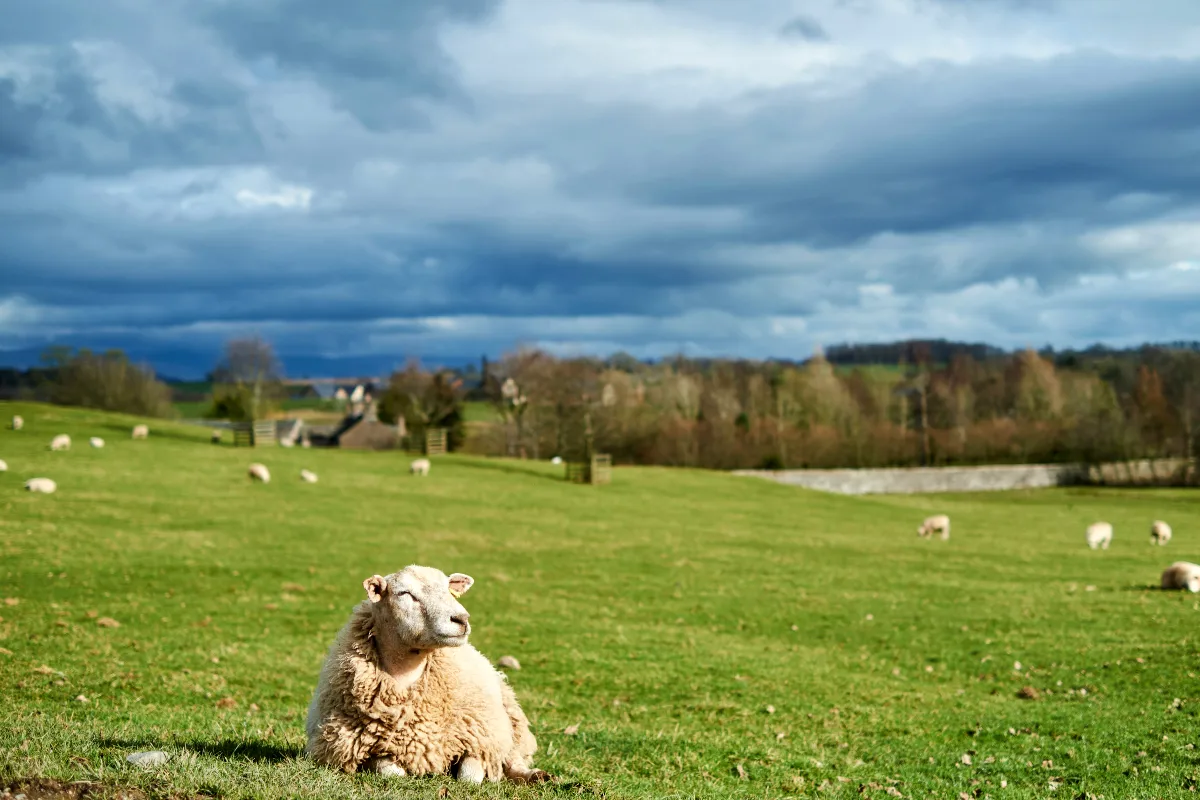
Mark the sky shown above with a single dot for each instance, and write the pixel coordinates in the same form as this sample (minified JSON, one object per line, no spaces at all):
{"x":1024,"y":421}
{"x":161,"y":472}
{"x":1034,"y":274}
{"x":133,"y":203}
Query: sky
{"x":363,"y":181}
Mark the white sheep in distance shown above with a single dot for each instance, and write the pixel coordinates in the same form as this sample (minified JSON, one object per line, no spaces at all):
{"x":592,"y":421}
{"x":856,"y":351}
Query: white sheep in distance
{"x":403,"y":693}
{"x":1099,"y":534}
{"x":61,"y":442}
{"x":938,"y":523}
{"x":307,"y":476}
{"x":215,"y":437}
{"x":96,"y":441}
{"x":1160,"y":532}
{"x":140,"y":431}
{"x":17,"y":422}
{"x":1182,"y":575}
{"x":419,"y":466}
{"x":43,"y":485}
{"x":259,"y":472}
{"x":3,"y":465}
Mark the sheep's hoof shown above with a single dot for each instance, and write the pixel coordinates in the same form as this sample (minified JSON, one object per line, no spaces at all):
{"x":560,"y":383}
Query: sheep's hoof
{"x":538,"y":776}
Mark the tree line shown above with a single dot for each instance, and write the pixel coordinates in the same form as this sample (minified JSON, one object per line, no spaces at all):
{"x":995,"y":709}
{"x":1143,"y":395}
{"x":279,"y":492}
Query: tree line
{"x":1023,"y":407}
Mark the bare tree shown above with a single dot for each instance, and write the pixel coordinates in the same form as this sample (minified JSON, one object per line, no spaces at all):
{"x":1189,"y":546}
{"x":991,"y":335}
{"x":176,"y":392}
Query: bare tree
{"x":252,"y":373}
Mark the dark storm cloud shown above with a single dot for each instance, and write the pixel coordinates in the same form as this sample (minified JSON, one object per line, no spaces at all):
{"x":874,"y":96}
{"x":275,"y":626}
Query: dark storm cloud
{"x":374,"y":56}
{"x":171,"y":174}
{"x":804,"y":27}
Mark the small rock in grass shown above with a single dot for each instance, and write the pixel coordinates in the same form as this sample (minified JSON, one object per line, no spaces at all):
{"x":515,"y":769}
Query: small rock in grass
{"x":148,"y":758}
{"x":571,"y":730}
{"x":508,"y":662}
{"x":966,"y":759}
{"x":82,"y":699}
{"x":770,"y":709}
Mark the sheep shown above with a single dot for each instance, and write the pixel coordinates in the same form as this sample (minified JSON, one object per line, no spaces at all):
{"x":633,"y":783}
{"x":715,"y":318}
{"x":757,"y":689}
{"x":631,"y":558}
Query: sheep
{"x":940,"y":522}
{"x":140,"y":431}
{"x":1099,"y":534}
{"x":419,"y":467}
{"x":258,"y":472}
{"x":43,"y":485}
{"x":307,"y":476}
{"x":17,"y":422}
{"x":215,"y":438}
{"x":61,"y":442}
{"x":402,"y":693}
{"x":1182,"y":575}
{"x":3,"y":465}
{"x":1160,"y":532}
{"x":96,"y":441}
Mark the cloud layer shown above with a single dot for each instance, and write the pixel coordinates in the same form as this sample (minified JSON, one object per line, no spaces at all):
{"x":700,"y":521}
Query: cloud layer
{"x":448,"y":177}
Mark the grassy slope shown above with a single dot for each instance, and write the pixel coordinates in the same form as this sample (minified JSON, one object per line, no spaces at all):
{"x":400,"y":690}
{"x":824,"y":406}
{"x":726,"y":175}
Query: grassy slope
{"x":662,"y":614}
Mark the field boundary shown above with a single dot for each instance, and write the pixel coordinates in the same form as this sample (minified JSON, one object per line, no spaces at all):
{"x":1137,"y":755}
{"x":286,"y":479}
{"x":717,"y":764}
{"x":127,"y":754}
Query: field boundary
{"x":992,"y":478}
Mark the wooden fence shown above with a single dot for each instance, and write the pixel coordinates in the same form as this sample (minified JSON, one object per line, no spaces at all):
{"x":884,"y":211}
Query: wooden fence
{"x":597,"y":471}
{"x":253,"y":434}
{"x":435,"y":442}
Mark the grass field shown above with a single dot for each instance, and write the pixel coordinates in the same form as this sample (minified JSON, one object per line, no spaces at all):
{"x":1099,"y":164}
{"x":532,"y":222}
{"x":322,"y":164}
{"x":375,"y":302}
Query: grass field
{"x":710,"y":636}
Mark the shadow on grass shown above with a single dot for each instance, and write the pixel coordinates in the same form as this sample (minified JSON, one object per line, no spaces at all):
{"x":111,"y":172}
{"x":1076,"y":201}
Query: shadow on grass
{"x":514,"y":468}
{"x":199,"y":437}
{"x":224,"y":748}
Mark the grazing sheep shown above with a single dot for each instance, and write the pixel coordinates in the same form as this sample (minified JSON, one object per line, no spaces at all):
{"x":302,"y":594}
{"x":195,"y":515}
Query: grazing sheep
{"x":1099,"y":534}
{"x":1182,"y":575}
{"x":3,"y":465}
{"x":308,"y":477}
{"x":17,"y":422}
{"x":940,"y":522}
{"x":403,"y":693}
{"x":1160,"y":532}
{"x":258,"y":472}
{"x":140,"y":431}
{"x":60,"y":442}
{"x":556,"y":460}
{"x":96,"y":441}
{"x":43,"y":485}
{"x":419,"y":467}
{"x":216,"y":436}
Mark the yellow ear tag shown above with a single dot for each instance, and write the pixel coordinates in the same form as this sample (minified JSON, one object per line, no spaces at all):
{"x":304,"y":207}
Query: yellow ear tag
{"x":455,"y":594}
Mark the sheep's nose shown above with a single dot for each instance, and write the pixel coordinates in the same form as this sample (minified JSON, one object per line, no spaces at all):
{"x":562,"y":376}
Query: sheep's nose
{"x":461,"y":619}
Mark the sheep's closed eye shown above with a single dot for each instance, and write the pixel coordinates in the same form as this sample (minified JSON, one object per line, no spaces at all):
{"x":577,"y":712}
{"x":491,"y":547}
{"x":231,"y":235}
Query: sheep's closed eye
{"x":409,"y":595}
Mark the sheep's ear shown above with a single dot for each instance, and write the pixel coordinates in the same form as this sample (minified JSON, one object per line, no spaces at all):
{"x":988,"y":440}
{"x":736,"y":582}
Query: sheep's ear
{"x":459,"y":584}
{"x":376,"y":587}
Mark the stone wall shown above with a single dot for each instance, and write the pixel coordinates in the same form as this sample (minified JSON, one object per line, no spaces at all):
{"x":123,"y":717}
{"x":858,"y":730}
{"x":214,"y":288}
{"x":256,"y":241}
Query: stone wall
{"x":982,"y":479}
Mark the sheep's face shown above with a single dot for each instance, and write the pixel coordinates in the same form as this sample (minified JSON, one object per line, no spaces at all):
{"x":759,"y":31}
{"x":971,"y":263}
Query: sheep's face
{"x":420,"y":604}
{"x":1193,"y":584}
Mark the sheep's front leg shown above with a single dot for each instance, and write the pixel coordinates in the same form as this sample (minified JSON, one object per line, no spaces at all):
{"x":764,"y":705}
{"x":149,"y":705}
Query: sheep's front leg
{"x":384,"y":766}
{"x":470,"y":770}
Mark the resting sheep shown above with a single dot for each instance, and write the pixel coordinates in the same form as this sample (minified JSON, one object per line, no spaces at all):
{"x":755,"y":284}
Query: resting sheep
{"x":140,"y":431}
{"x":1160,"y":532}
{"x":938,"y":523}
{"x":419,"y":467}
{"x":1182,"y":575}
{"x":258,"y":472}
{"x":17,"y":422}
{"x":307,"y":476}
{"x":43,"y":485}
{"x":403,"y":693}
{"x":1099,"y":534}
{"x":96,"y":441}
{"x":60,"y":442}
